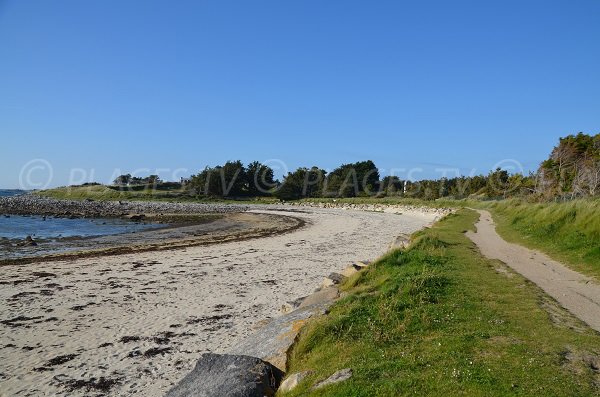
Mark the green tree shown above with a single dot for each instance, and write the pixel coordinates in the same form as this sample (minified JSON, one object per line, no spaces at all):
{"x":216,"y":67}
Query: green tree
{"x":260,"y":179}
{"x":302,"y":183}
{"x":497,"y":183}
{"x":122,"y":180}
{"x":349,"y":180}
{"x":233,"y":179}
{"x":391,"y":185}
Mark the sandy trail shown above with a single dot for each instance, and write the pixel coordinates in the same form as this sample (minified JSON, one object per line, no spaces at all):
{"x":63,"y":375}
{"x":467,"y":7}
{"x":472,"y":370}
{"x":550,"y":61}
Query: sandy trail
{"x":144,"y":318}
{"x":577,"y":293}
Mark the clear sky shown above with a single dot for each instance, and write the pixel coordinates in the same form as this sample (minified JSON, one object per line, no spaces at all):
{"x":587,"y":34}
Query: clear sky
{"x":104,"y":85}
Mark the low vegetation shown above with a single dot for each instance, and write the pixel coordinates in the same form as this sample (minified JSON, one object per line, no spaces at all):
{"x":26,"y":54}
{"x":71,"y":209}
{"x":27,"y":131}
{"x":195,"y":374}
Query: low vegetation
{"x":103,"y":192}
{"x":568,"y":231}
{"x":571,"y":171}
{"x":439,"y":319}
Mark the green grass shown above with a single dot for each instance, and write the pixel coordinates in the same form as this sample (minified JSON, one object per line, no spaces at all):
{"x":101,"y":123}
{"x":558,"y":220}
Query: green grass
{"x":567,"y":231}
{"x":100,"y":192}
{"x":111,"y":193}
{"x":438,"y":319}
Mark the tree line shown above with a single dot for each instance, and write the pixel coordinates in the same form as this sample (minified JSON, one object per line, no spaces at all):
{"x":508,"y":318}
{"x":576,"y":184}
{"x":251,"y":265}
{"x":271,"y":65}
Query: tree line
{"x":360,"y":179}
{"x":129,"y":180}
{"x":572,"y":170}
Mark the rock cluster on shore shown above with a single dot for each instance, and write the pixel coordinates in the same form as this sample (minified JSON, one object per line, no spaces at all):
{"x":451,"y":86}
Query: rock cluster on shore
{"x":229,"y":375}
{"x":30,"y":204}
{"x":390,"y":208}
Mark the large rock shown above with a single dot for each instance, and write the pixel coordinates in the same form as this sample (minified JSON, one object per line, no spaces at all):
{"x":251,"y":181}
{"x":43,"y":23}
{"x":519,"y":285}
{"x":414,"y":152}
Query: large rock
{"x":332,"y":279}
{"x":273,"y":341}
{"x":359,"y":265}
{"x":402,"y":241}
{"x":336,"y":278}
{"x":293,"y":380}
{"x":227,"y":375}
{"x":324,"y":298}
{"x":28,"y":242}
{"x":339,"y":376}
{"x":350,"y":271}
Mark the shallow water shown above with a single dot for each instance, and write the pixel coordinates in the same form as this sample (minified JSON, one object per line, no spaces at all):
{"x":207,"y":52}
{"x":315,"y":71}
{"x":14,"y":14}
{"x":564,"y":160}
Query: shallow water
{"x":19,"y":227}
{"x":11,"y":192}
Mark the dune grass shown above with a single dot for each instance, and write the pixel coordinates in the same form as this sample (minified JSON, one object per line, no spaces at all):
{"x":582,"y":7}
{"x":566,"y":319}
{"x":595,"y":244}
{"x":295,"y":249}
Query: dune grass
{"x":568,"y":231}
{"x":108,"y":193}
{"x":101,"y":192}
{"x":439,"y":319}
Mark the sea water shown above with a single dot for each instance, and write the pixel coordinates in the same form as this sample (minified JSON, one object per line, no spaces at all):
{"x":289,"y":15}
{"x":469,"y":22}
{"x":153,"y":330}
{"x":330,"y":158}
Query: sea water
{"x":21,"y":226}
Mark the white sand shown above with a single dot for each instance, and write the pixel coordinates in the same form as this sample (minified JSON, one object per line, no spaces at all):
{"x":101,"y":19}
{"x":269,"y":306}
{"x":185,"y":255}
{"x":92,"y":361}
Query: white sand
{"x":209,"y":296}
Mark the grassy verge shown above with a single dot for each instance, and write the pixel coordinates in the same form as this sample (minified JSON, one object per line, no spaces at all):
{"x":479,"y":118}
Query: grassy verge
{"x":106,"y":193}
{"x":567,"y":231}
{"x":439,"y":319}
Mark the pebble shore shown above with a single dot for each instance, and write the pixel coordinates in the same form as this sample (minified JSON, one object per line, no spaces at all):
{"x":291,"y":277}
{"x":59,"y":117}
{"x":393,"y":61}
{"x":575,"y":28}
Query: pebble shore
{"x":30,"y":204}
{"x":388,"y":208}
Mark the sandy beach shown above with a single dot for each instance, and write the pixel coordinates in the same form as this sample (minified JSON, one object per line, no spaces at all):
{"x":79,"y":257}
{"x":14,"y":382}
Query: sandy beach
{"x":134,"y":324}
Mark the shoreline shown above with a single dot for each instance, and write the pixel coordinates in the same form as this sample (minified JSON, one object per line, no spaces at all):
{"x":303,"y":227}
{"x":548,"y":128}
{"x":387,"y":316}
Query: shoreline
{"x":141,"y":320}
{"x":249,"y":229}
{"x":31,"y":204}
{"x":177,"y":216}
{"x":185,"y":225}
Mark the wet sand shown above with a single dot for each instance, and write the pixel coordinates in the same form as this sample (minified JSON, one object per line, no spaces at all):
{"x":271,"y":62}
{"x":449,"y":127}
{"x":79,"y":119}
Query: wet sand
{"x":134,"y":324}
{"x":201,"y":229}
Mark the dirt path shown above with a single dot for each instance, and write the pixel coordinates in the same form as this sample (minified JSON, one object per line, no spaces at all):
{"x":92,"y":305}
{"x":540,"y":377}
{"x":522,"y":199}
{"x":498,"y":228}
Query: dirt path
{"x":577,"y":293}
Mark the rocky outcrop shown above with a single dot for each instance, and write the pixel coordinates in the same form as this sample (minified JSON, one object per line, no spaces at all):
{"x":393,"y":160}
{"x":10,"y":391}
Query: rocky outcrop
{"x":243,"y":370}
{"x":354,"y":268}
{"x":402,"y":241}
{"x":332,"y":279}
{"x":28,"y":242}
{"x":388,"y":208}
{"x":293,"y":380}
{"x":255,"y":366}
{"x":219,"y":375}
{"x":30,"y":204}
{"x":273,"y":341}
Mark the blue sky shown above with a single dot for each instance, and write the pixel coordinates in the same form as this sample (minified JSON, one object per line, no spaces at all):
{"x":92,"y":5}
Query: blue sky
{"x":100,"y":86}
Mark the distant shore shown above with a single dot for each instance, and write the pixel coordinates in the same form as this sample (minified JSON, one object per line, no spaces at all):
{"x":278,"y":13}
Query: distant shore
{"x":31,"y":204}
